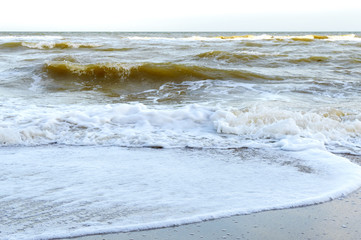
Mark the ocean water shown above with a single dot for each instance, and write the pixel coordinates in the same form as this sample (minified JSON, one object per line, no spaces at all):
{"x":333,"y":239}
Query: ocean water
{"x":107,"y":132}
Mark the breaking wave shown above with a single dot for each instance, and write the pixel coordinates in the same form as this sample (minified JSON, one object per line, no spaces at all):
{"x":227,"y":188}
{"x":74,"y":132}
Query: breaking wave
{"x":136,"y":125}
{"x":271,"y":122}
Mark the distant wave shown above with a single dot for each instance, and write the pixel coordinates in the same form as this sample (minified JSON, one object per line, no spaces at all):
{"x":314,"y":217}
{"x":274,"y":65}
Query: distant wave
{"x":237,"y":37}
{"x":306,"y":38}
{"x":232,"y":57}
{"x":254,"y":57}
{"x":46,"y":45}
{"x":311,"y":59}
{"x":113,"y":49}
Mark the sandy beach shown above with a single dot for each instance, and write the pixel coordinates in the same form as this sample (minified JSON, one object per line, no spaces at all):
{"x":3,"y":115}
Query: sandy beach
{"x":336,"y":219}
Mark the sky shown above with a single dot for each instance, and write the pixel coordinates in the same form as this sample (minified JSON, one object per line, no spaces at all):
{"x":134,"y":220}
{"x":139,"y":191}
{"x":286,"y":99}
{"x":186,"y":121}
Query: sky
{"x":181,"y":15}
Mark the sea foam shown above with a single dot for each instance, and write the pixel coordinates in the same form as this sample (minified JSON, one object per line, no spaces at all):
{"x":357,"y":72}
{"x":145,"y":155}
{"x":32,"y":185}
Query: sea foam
{"x":91,"y":190}
{"x":137,"y":125}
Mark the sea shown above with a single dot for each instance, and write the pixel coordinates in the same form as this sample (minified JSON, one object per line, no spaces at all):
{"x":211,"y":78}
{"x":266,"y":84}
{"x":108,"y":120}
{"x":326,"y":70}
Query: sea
{"x":105,"y":132}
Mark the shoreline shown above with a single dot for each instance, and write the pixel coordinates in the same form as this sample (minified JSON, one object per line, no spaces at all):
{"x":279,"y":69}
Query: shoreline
{"x":336,"y":219}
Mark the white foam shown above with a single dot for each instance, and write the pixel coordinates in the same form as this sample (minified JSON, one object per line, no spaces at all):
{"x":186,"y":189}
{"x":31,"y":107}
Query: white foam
{"x":273,"y":122}
{"x":54,"y":192}
{"x":190,"y":125}
{"x":347,"y":37}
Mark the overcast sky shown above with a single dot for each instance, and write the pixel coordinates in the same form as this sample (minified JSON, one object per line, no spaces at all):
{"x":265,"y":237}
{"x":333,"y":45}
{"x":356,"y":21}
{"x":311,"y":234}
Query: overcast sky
{"x":182,"y":15}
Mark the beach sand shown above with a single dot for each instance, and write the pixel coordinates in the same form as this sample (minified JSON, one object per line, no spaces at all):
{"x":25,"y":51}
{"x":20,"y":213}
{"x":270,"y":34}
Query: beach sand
{"x":336,"y":219}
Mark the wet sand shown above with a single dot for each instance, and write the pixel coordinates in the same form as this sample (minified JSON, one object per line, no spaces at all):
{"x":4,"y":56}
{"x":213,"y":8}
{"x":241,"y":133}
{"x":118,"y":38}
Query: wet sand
{"x":336,"y":219}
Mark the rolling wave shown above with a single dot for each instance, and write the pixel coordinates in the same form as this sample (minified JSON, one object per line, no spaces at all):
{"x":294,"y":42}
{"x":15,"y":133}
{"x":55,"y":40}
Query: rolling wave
{"x":113,"y":72}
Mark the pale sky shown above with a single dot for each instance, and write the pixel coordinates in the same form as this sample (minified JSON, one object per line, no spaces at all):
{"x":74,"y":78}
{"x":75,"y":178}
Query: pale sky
{"x":182,"y":15}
